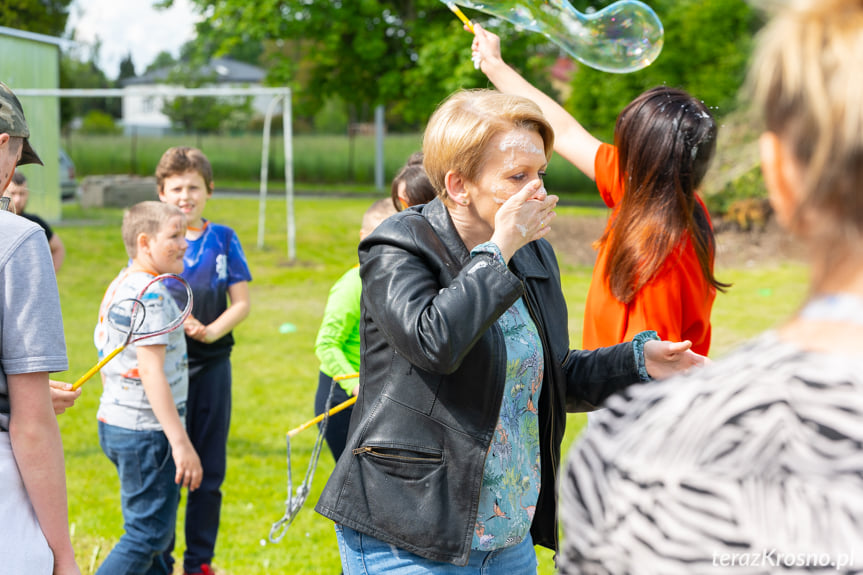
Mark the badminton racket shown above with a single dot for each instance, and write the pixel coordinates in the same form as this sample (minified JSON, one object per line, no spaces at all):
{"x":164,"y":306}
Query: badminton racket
{"x":297,"y":498}
{"x":129,"y":315}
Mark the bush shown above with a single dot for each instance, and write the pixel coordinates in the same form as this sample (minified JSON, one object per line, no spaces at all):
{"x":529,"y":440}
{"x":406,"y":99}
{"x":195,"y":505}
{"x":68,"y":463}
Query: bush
{"x":747,"y":186}
{"x":99,"y":123}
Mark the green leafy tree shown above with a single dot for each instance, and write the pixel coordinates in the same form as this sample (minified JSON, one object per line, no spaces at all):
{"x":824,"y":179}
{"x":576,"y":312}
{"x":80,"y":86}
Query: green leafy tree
{"x":40,"y":16}
{"x":79,"y":70}
{"x":163,"y":59}
{"x":127,"y":68}
{"x":204,"y":114}
{"x":212,"y":43}
{"x":410,"y":54}
{"x":406,"y":54}
{"x":706,"y":47}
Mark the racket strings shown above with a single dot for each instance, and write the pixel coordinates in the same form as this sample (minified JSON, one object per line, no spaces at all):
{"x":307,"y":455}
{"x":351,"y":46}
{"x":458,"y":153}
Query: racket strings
{"x":296,"y":499}
{"x":129,"y":315}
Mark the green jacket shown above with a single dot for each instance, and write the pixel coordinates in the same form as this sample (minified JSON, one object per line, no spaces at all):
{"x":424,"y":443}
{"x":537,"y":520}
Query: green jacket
{"x":338,"y":343}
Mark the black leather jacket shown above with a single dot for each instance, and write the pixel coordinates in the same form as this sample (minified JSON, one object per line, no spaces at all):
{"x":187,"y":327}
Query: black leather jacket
{"x":433,"y":370}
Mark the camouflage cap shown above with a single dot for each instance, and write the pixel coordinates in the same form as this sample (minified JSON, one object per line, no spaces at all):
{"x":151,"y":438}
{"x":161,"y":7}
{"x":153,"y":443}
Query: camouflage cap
{"x":12,"y":122}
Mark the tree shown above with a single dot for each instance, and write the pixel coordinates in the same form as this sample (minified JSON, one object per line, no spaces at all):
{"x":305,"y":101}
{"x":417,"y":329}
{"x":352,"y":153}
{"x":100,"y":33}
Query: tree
{"x":410,"y":54}
{"x":127,"y":68}
{"x":40,"y":16}
{"x":162,"y":60}
{"x":79,"y":70}
{"x":407,"y":54}
{"x":706,"y":47}
{"x":200,"y":114}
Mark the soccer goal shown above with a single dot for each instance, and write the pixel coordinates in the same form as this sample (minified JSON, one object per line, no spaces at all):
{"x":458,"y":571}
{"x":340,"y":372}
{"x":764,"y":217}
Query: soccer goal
{"x":277,"y":96}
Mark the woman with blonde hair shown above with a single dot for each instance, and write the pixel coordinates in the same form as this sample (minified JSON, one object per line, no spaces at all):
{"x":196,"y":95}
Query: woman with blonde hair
{"x":753,"y":464}
{"x":466,"y":369}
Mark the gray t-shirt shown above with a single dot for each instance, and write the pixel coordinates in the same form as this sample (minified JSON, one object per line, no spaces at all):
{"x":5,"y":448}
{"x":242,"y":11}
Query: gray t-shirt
{"x":124,"y":402}
{"x":31,"y":327}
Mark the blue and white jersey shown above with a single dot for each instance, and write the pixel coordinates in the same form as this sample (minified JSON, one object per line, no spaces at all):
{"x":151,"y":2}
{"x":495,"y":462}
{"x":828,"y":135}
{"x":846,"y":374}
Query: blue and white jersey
{"x":213,"y":262}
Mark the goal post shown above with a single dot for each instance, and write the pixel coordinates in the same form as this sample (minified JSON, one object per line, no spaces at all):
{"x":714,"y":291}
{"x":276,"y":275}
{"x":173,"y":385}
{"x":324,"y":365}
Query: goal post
{"x":277,"y":95}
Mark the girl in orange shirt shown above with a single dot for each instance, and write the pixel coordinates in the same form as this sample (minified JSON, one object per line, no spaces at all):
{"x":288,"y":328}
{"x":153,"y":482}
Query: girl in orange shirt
{"x":654,"y":269}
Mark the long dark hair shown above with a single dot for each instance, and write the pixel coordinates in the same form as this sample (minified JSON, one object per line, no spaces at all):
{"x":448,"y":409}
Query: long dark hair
{"x":666,"y":140}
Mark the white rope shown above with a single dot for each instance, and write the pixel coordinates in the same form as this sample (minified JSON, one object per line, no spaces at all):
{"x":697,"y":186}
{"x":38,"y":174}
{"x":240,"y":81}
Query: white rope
{"x":295,"y":500}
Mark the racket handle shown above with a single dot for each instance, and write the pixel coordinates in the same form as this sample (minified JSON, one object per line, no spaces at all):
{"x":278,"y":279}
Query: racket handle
{"x":457,"y":11}
{"x":92,"y":371}
{"x":343,"y":405}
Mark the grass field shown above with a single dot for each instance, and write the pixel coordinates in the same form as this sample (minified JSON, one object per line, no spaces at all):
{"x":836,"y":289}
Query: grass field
{"x":275,"y":374}
{"x":319,"y":160}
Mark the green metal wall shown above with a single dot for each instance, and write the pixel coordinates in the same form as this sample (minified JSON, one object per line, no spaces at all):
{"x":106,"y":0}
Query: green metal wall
{"x":28,"y":63}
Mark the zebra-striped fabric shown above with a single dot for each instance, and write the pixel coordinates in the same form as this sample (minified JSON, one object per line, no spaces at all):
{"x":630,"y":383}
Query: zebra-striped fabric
{"x":751,"y":465}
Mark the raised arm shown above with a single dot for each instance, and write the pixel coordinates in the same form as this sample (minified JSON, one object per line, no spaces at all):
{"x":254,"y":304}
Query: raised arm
{"x":571,"y":140}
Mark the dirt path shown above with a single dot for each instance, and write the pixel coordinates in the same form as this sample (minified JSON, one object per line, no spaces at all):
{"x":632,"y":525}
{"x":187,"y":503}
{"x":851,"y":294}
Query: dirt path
{"x":572,"y":237}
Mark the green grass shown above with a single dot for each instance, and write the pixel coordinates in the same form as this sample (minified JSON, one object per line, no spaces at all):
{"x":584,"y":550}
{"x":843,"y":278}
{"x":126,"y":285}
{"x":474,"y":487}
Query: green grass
{"x":275,"y":374}
{"x":320,"y":161}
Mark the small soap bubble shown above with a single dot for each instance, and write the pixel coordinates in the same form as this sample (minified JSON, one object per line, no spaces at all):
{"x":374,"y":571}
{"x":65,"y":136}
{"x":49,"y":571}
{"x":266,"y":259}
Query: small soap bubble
{"x":263,"y":542}
{"x":625,"y":36}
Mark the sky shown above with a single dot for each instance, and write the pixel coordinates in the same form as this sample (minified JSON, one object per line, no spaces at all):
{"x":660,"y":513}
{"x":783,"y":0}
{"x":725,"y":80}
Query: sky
{"x":133,"y":26}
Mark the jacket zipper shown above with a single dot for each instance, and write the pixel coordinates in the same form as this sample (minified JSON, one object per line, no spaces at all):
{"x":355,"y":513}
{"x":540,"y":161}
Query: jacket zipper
{"x":385,"y":455}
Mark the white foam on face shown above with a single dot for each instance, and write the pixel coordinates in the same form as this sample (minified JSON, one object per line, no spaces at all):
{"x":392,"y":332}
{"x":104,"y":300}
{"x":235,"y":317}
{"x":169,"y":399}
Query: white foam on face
{"x":519,"y":141}
{"x":498,"y":191}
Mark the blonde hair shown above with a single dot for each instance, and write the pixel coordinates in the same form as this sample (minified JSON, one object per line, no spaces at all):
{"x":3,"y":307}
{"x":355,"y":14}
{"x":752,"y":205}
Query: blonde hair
{"x":458,"y":134}
{"x":146,"y":218}
{"x":806,"y":84}
{"x":182,"y":159}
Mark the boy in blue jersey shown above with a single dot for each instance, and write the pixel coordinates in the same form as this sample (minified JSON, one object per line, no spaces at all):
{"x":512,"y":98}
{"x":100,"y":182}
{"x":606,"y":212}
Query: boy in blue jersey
{"x":216,"y":269}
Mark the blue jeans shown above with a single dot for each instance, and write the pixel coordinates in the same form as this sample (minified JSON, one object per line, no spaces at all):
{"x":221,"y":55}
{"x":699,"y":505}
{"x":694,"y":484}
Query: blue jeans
{"x":148,"y":496}
{"x":366,"y":555}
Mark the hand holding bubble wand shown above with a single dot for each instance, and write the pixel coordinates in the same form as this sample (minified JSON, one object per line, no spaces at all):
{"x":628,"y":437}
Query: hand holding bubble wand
{"x":295,"y":500}
{"x":129,"y":316}
{"x":625,"y":36}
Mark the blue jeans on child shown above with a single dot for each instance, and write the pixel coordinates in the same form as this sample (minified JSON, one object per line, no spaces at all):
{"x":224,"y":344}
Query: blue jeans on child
{"x":148,"y":496}
{"x":366,"y":555}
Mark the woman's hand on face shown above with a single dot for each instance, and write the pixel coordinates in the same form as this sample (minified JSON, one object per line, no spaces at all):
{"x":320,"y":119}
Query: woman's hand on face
{"x":523,"y":218}
{"x":666,"y":358}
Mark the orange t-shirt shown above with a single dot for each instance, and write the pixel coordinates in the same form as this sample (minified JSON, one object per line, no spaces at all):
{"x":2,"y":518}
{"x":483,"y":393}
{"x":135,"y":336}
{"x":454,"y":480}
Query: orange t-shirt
{"x":676,"y":302}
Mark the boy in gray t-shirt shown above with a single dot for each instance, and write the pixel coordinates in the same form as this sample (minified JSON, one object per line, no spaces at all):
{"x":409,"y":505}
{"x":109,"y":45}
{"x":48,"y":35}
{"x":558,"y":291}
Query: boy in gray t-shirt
{"x":141,"y":423}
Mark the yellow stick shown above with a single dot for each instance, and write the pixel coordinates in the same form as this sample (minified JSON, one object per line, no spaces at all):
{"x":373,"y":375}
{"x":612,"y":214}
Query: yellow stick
{"x":343,"y":405}
{"x":96,"y":368}
{"x":457,"y":11}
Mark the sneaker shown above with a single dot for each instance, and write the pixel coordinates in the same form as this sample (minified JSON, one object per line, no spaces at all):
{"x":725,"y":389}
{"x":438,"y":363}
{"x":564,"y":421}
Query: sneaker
{"x":205,"y":570}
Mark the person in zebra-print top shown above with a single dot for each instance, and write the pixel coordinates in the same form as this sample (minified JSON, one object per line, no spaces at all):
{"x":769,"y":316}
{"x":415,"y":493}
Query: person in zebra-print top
{"x":755,"y":463}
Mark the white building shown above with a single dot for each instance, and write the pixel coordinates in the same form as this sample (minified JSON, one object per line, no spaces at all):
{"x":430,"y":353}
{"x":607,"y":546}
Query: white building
{"x":142,"y":110}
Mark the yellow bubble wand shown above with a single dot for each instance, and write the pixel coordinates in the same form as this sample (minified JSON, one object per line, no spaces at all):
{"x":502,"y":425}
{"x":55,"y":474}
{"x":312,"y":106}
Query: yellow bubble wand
{"x":457,"y":11}
{"x":623,"y":37}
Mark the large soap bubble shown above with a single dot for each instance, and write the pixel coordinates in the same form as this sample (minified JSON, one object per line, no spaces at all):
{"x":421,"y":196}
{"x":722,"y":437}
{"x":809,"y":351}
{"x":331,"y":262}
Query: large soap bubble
{"x":623,"y":37}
